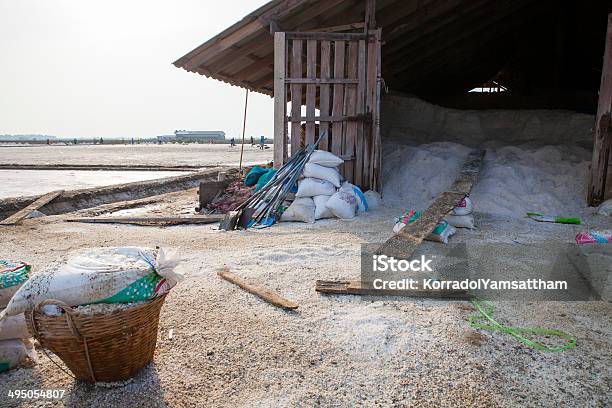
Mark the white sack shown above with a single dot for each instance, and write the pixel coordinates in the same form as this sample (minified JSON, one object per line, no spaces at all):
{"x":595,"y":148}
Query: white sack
{"x":325,"y":159}
{"x":94,"y":275}
{"x":14,"y":353}
{"x":605,"y":208}
{"x":465,"y":207}
{"x":461,"y":221}
{"x":301,"y":210}
{"x":310,"y":187}
{"x":362,"y":204}
{"x":343,"y":205}
{"x":14,"y":327}
{"x":321,"y":210}
{"x":324,"y":173}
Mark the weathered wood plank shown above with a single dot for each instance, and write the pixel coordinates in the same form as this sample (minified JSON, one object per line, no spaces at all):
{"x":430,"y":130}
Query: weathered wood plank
{"x":361,"y":87}
{"x":339,"y":118}
{"x":319,"y":81}
{"x":324,"y":91}
{"x":262,"y":293}
{"x":280,"y":100}
{"x":403,"y":245}
{"x":338,"y":102}
{"x":603,"y":129}
{"x":350,"y":102}
{"x":377,"y":140}
{"x":327,"y":36}
{"x":338,"y":28}
{"x":296,"y":96}
{"x":311,"y":89}
{"x":24,"y":212}
{"x":360,"y":288}
{"x":199,"y":219}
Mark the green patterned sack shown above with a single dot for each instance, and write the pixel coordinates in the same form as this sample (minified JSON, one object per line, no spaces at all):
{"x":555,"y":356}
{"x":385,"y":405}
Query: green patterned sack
{"x":12,"y":276}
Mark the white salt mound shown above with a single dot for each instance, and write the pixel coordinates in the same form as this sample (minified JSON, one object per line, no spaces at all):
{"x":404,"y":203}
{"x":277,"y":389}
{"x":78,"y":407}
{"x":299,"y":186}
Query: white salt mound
{"x":518,"y":179}
{"x":513,"y":180}
{"x":414,"y":175}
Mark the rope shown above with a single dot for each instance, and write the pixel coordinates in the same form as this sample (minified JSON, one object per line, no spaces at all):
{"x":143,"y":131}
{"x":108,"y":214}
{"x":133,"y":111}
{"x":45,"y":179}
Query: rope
{"x":484,"y":321}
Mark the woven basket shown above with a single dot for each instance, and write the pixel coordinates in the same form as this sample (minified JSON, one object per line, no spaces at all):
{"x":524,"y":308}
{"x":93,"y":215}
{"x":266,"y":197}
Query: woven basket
{"x":103,"y":347}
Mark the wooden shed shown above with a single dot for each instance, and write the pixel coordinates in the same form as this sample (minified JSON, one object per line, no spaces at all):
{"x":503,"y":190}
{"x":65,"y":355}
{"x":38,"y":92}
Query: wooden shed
{"x":327,"y":63}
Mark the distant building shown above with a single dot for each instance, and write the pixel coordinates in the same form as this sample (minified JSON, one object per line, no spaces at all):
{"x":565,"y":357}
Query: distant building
{"x":26,"y":138}
{"x":194,"y":136}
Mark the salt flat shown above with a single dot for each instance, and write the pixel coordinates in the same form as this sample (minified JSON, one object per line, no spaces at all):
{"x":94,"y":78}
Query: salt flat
{"x":139,"y":154}
{"x":17,"y":183}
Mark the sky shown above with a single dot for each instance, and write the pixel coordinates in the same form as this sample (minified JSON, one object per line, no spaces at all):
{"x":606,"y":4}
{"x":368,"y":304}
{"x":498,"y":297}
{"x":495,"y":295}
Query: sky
{"x":84,"y":68}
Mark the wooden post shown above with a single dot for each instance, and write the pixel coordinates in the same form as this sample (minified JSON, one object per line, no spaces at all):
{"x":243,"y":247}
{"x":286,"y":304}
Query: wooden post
{"x":280,"y":99}
{"x":603,"y":138}
{"x":370,"y":15}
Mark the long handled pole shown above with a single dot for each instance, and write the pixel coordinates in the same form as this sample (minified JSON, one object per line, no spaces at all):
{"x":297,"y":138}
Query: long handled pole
{"x":246,"y":104}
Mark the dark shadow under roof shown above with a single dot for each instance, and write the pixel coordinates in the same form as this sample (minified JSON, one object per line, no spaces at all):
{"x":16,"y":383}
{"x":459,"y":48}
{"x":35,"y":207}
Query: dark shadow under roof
{"x":430,"y":47}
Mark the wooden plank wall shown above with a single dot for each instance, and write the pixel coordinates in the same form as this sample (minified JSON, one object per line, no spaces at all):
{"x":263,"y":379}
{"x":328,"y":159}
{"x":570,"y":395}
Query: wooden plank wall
{"x":603,"y":128}
{"x":338,"y":74}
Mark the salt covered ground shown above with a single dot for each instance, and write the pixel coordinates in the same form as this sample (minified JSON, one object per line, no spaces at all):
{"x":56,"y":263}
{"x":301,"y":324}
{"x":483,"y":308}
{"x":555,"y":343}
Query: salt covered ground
{"x":230,"y":349}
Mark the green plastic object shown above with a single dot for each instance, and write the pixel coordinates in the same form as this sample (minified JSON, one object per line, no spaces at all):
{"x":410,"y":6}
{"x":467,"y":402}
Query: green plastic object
{"x":253,"y":177}
{"x":264,"y":179}
{"x":551,"y":218}
{"x":484,"y":321}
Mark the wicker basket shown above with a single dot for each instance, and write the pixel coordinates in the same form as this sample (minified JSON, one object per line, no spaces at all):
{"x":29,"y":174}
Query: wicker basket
{"x":104,"y":347}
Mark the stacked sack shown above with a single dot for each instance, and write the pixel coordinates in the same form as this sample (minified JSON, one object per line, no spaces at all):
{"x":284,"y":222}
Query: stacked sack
{"x":461,"y":216}
{"x":321,"y":192}
{"x":16,"y":346}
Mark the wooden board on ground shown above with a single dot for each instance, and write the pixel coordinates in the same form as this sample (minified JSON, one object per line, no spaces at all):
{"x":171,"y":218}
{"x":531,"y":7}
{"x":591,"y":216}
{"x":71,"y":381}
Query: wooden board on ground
{"x":262,"y":293}
{"x":403,"y":245}
{"x":152,"y":221}
{"x":357,"y":288}
{"x":24,"y":212}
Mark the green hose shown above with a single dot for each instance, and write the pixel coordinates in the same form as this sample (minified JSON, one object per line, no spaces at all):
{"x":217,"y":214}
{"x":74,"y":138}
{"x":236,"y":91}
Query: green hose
{"x":484,"y":321}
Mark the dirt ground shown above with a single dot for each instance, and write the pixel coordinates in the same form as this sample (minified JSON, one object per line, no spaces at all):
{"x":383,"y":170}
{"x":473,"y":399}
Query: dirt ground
{"x":231,"y":349}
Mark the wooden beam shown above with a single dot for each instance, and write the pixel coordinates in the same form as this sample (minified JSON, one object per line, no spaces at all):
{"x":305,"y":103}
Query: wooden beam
{"x":327,"y":36}
{"x":370,"y":15}
{"x":24,"y":212}
{"x":603,"y":136}
{"x":403,"y":245}
{"x":152,"y":221}
{"x":262,"y":293}
{"x":320,"y":81}
{"x":338,"y":28}
{"x":280,"y":100}
{"x":363,"y":289}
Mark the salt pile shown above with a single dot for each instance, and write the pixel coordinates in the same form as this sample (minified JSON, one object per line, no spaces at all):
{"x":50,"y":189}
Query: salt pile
{"x":518,"y":179}
{"x":513,"y":181}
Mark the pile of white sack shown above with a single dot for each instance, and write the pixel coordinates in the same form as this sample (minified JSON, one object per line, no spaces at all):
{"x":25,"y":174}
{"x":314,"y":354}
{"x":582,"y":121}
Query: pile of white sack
{"x":322,"y":193}
{"x":16,"y":345}
{"x":459,"y":217}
